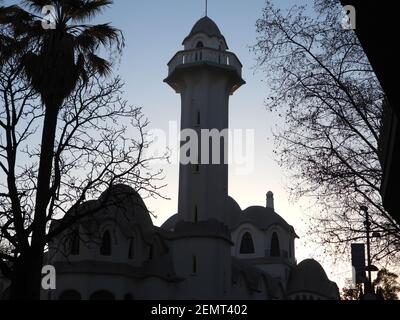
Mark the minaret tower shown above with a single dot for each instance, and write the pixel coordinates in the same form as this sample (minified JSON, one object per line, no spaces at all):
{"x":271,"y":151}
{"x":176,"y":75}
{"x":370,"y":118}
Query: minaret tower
{"x":205,"y":74}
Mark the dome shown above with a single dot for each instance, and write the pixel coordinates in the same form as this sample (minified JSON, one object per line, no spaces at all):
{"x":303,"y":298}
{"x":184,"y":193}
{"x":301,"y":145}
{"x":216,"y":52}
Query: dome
{"x":121,"y":202}
{"x":232,"y":211}
{"x":232,"y":207}
{"x":309,"y":276}
{"x":207,"y":26}
{"x":128,"y":200}
{"x":120,"y":192}
{"x":261,"y":217}
{"x":171,"y":223}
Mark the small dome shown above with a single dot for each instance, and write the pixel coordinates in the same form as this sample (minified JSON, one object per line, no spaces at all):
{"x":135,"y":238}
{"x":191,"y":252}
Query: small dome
{"x":233,"y":211}
{"x":261,"y":217}
{"x":232,"y":206}
{"x":171,"y":222}
{"x":311,"y":268}
{"x":309,"y":276}
{"x":119,"y":191}
{"x":207,"y":26}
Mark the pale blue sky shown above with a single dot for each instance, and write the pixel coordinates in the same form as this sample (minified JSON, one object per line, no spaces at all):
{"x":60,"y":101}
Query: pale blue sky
{"x":154,"y":30}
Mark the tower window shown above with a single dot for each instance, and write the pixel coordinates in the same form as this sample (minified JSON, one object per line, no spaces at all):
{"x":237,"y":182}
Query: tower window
{"x":131,"y":252}
{"x":200,"y":44}
{"x":275,"y":248}
{"x":198,"y":118}
{"x":151,"y":252}
{"x":194,"y":265}
{"x":196,"y":214}
{"x":75,"y":243}
{"x":247,"y":244}
{"x":105,"y":249}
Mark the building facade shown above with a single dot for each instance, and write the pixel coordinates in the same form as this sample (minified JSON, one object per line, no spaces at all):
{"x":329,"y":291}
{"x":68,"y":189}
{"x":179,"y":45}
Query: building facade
{"x":210,"y":249}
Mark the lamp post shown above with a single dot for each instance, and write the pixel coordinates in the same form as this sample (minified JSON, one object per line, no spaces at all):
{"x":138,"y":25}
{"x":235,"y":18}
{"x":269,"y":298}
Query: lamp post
{"x":370,"y":268}
{"x":367,"y":224}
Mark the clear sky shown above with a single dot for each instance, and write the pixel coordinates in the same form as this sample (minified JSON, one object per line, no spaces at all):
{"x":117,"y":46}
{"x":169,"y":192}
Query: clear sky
{"x":154,"y":31}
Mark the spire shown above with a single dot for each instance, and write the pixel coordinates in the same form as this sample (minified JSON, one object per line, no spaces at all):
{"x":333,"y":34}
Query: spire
{"x":206,"y":8}
{"x":270,"y":200}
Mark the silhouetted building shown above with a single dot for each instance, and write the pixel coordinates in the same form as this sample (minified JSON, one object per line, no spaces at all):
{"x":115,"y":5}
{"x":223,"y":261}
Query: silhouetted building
{"x":211,"y":249}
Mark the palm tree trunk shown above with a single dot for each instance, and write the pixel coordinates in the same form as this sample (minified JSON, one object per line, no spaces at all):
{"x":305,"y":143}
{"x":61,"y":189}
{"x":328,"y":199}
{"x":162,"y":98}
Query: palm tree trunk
{"x":44,"y":175}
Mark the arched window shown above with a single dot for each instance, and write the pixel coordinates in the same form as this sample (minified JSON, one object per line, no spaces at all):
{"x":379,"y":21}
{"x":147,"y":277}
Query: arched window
{"x":247,"y":244}
{"x":70,"y":295}
{"x":275,"y":248}
{"x":105,"y":249}
{"x":75,"y":243}
{"x":200,"y":44}
{"x":102,"y":296}
{"x":131,"y":252}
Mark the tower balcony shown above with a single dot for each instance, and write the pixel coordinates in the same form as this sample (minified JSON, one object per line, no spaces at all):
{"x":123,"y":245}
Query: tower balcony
{"x":205,"y":56}
{"x":201,"y":55}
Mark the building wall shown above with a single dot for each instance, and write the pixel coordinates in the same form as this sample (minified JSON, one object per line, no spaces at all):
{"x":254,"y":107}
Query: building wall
{"x":211,"y":278}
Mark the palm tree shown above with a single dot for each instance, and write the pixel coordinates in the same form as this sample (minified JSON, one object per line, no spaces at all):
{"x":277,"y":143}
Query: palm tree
{"x":54,"y":58}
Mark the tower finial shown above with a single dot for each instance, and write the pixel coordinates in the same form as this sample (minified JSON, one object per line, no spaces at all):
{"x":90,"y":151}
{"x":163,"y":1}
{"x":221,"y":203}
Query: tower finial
{"x":206,"y":8}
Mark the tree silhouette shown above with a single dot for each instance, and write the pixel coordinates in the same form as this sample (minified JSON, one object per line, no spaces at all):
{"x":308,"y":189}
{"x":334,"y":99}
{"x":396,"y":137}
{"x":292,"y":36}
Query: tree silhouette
{"x":84,"y":145}
{"x":387,"y":285}
{"x":351,"y":292}
{"x":324,"y":87}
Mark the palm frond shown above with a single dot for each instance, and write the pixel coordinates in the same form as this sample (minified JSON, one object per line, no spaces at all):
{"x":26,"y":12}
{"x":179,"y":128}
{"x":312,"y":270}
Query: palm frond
{"x":98,"y":64}
{"x":82,"y":10}
{"x":37,"y":5}
{"x":103,"y":34}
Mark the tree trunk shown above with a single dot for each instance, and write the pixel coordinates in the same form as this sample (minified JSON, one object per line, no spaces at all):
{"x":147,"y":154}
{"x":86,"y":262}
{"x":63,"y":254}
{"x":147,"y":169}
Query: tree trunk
{"x":27,"y":275}
{"x":26,"y":282}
